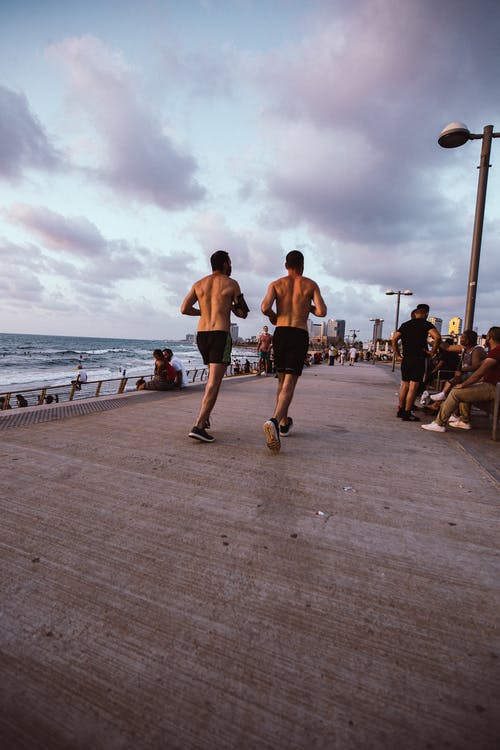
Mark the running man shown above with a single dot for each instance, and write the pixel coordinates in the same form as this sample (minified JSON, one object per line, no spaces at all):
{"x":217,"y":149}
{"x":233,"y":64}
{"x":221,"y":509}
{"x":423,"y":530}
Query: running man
{"x":217,"y":296}
{"x":296,"y":296}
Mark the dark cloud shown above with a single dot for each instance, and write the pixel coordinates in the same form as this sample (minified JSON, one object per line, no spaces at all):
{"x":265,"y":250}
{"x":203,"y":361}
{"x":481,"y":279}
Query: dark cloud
{"x":141,"y":159}
{"x":24,"y":144}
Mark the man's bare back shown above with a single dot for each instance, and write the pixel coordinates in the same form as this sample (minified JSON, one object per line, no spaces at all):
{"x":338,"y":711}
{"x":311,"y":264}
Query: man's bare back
{"x":215,"y":295}
{"x":296,"y":297}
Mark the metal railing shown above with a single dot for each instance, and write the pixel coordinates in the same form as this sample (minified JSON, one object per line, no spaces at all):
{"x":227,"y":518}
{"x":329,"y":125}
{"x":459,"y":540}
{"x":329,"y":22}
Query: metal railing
{"x":53,"y":394}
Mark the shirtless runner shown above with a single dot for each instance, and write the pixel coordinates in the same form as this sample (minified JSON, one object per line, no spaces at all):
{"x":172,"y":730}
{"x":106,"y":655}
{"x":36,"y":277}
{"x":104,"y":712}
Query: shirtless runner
{"x":296,"y":296}
{"x":217,"y":296}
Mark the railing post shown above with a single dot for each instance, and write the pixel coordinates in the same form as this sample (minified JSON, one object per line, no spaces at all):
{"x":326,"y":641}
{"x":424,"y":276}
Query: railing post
{"x":123,"y":383}
{"x":98,"y":389}
{"x":72,"y":392}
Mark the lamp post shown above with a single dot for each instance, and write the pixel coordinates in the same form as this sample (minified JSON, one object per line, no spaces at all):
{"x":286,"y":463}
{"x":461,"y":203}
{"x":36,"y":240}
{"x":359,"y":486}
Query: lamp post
{"x":453,"y":135}
{"x":406,"y":292}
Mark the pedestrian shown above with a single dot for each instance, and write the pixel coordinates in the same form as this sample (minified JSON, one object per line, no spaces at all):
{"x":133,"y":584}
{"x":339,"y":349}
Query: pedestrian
{"x":295,"y":297}
{"x":413,"y":335}
{"x":264,"y":347}
{"x":217,"y":296}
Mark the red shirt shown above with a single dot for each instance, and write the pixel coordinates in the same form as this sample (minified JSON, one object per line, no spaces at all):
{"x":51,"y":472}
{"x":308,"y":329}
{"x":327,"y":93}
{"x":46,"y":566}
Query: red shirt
{"x":493,"y":374}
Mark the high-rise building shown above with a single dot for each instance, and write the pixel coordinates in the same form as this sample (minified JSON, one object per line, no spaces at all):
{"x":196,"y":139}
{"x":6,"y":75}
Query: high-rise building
{"x":377,"y":329}
{"x":437,"y":322}
{"x":455,"y":326}
{"x":335,"y":329}
{"x":235,"y":331}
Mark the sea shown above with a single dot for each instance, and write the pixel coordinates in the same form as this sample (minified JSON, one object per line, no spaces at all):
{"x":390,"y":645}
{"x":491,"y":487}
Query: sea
{"x":33,"y":361}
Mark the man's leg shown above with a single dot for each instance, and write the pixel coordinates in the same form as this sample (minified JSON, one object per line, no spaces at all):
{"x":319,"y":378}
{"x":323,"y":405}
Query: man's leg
{"x":284,"y":396}
{"x":461,"y":398}
{"x":411,"y":394}
{"x":402,"y":394}
{"x":215,"y":374}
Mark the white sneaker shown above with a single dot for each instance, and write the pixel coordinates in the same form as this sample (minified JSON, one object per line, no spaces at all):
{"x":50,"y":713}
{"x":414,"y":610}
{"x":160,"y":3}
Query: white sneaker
{"x":461,"y":425}
{"x":453,"y":419}
{"x":423,"y":398}
{"x":438,"y":396}
{"x":433,"y":427}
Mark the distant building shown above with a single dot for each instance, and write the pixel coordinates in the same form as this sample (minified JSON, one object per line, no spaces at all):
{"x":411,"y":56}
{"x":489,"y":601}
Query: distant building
{"x":437,"y":322}
{"x":190,"y":338}
{"x":378,"y":324}
{"x":235,"y":331}
{"x":335,"y":329}
{"x":455,"y":326}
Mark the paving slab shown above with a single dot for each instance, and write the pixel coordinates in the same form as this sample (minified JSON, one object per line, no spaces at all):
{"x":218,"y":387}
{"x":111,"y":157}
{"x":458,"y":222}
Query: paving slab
{"x":161,"y":593}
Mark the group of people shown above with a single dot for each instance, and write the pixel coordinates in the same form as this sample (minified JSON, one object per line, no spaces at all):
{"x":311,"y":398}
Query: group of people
{"x":473,"y":381}
{"x":169,"y":373}
{"x":288,"y":302}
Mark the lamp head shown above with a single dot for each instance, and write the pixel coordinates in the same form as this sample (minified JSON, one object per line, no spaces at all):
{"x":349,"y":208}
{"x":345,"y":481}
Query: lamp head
{"x":453,"y":135}
{"x":408,"y":292}
{"x":391,"y":291}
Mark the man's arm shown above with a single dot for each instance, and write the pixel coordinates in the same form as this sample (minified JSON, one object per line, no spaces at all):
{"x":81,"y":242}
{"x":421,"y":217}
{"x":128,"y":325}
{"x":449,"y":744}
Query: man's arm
{"x":267,"y":304}
{"x":436,"y":340}
{"x":187,"y":307}
{"x":394,"y":342}
{"x":318,"y":306}
{"x":239,"y":306}
{"x":477,"y":375}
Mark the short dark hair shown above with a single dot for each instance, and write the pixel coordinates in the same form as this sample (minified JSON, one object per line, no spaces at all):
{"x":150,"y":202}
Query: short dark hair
{"x":168,"y":352}
{"x":295,"y":260}
{"x":218,"y":259}
{"x":422,"y":306}
{"x":157,"y":353}
{"x":471,"y":336}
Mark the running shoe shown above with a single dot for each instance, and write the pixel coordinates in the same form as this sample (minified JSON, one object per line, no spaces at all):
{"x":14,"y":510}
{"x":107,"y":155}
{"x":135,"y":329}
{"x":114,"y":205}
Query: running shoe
{"x":433,"y":427}
{"x":461,"y":425}
{"x":453,"y":419}
{"x":409,"y":417}
{"x":400,"y":412}
{"x":199,"y":433}
{"x":438,"y":396}
{"x":285,"y":428}
{"x":272,"y":433}
{"x":424,"y":398}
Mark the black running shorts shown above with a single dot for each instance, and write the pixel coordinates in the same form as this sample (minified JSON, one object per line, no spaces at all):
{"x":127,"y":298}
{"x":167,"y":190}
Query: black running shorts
{"x":413,"y":368}
{"x":215,"y":347}
{"x":290,"y":349}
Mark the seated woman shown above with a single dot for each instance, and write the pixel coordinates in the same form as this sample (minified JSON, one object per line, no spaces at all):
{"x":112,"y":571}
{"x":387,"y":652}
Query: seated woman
{"x":164,"y":375}
{"x":471,"y":356}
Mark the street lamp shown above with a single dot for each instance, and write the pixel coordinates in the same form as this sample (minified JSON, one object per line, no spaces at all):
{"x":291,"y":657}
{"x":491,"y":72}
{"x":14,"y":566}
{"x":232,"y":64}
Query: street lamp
{"x":453,"y":135}
{"x":407,"y":292}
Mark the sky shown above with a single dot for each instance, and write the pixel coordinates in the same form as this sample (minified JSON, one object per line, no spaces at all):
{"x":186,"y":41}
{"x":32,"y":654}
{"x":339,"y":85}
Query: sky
{"x":138,"y":138}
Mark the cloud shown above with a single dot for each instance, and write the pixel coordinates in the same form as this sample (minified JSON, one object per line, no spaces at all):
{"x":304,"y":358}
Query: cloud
{"x":140,"y":159}
{"x":24,"y":144}
{"x":73,"y":234}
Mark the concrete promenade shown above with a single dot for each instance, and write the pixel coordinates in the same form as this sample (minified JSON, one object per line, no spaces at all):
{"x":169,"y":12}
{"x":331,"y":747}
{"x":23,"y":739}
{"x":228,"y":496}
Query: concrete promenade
{"x":158,"y":593}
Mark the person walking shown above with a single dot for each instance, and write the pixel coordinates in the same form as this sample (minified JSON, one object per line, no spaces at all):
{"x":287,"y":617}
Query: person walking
{"x":217,"y":296}
{"x":413,"y":335}
{"x":264,"y":346}
{"x":295,"y":296}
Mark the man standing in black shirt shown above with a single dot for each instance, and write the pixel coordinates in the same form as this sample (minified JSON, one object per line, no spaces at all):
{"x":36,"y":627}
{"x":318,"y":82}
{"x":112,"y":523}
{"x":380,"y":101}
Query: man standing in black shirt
{"x":413,"y":335}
